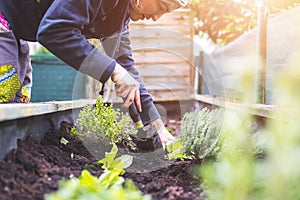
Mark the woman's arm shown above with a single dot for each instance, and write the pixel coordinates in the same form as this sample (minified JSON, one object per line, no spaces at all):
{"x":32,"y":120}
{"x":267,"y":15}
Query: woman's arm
{"x":124,"y":57}
{"x":60,"y":31}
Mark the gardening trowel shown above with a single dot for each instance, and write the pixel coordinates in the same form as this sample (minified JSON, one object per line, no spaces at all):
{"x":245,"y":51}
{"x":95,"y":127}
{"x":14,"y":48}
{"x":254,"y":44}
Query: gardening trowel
{"x":147,"y":138}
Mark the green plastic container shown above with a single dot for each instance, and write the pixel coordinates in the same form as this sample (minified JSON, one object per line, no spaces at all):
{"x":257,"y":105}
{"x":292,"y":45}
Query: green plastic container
{"x":53,"y":80}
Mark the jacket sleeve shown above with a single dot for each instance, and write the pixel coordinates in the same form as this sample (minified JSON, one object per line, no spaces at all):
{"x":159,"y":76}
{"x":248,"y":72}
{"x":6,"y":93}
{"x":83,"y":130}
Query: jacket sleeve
{"x":60,"y":31}
{"x":124,"y":57}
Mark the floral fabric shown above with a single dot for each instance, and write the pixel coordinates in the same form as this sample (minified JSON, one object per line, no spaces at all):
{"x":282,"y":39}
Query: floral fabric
{"x":11,"y":88}
{"x":4,"y":26}
{"x":9,"y":83}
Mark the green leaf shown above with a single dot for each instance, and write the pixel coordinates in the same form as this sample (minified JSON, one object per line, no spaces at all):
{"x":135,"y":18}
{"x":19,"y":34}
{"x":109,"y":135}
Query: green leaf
{"x":175,"y":150}
{"x":90,"y":167}
{"x":108,"y":160}
{"x":108,"y":186}
{"x":109,"y":177}
{"x":88,"y":180}
{"x":64,"y":141}
{"x":117,"y":164}
{"x":126,"y":160}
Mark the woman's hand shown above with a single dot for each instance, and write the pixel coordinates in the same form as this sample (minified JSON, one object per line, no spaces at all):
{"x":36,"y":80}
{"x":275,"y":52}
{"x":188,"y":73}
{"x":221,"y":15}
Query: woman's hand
{"x":165,"y":136}
{"x":126,"y":87}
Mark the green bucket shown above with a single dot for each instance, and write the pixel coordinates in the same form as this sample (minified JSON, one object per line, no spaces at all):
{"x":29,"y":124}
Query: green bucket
{"x":53,"y":80}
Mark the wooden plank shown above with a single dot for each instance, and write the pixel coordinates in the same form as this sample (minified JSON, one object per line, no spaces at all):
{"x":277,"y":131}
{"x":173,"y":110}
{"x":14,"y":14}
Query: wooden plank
{"x":181,"y":53}
{"x":158,"y":94}
{"x":171,"y":44}
{"x":165,"y":20}
{"x":157,"y":70}
{"x":256,"y":109}
{"x":159,"y":33}
{"x":153,"y":79}
{"x":66,"y":105}
{"x":172,"y":66}
{"x":160,"y":30}
{"x":17,"y":111}
{"x":179,"y":15}
{"x":160,"y":56}
{"x":167,"y":85}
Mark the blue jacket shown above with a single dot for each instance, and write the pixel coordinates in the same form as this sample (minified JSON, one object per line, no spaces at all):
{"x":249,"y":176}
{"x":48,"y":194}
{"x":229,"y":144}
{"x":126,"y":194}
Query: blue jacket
{"x":63,"y":27}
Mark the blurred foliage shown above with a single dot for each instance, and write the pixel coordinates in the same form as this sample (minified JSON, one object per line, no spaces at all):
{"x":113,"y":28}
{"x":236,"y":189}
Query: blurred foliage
{"x":239,"y":173}
{"x":110,"y":185}
{"x":222,"y":21}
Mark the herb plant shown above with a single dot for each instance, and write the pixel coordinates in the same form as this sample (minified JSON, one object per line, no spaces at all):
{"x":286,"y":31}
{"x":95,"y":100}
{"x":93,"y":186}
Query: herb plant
{"x":239,"y":174}
{"x":199,"y":135}
{"x":104,"y":121}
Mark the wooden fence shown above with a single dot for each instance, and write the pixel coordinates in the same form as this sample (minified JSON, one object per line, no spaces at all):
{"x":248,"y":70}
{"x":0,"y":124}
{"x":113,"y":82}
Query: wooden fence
{"x":163,"y":54}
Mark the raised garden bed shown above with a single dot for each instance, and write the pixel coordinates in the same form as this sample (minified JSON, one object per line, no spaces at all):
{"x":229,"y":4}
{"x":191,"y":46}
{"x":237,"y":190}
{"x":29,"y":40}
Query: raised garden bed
{"x":34,"y":168}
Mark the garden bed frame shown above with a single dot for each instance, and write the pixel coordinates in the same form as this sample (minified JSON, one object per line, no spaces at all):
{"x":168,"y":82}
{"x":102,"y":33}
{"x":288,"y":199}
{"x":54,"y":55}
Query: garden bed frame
{"x":20,"y":120}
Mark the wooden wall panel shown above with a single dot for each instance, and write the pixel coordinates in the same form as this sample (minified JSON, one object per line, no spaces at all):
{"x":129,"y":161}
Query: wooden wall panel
{"x":163,"y":53}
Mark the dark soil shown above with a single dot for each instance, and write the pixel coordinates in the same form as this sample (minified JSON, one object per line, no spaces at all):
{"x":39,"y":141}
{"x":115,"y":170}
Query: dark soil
{"x":35,"y":168}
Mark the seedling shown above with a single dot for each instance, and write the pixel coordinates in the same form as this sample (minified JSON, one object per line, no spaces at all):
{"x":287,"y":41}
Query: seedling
{"x":64,"y":141}
{"x":110,"y":162}
{"x":176,"y":151}
{"x":104,"y":121}
{"x":110,"y":185}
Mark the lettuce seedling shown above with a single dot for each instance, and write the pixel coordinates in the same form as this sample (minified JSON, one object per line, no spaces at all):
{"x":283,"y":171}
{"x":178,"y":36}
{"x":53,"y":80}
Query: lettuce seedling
{"x":110,"y":185}
{"x":87,"y":186}
{"x":109,"y":162}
